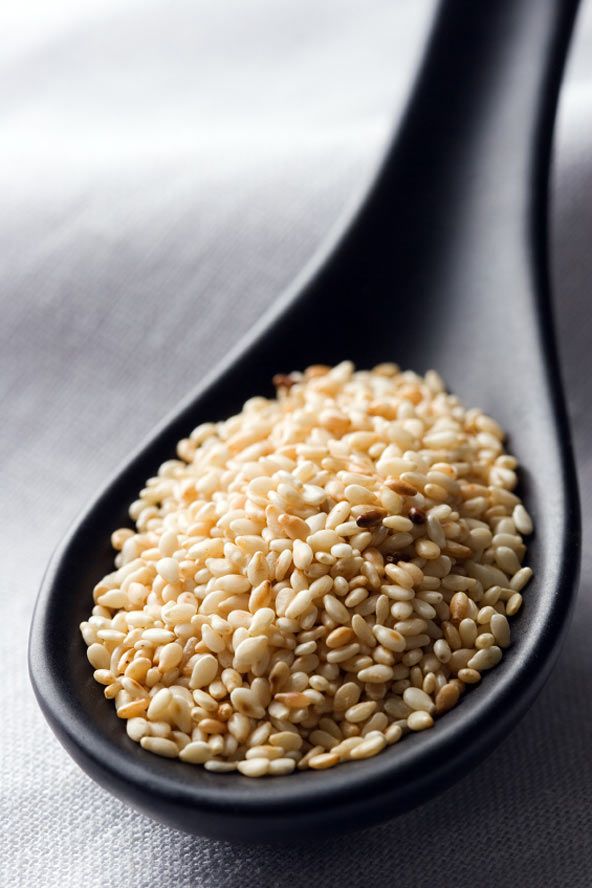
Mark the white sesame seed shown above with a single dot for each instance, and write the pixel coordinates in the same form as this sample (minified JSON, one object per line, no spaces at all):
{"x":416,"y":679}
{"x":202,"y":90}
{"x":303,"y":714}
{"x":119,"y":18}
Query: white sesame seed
{"x":486,"y":658}
{"x":255,"y":767}
{"x":513,"y":604}
{"x":281,"y":766}
{"x":170,"y":656}
{"x":168,"y":543}
{"x":160,"y":746}
{"x":158,"y":636}
{"x":168,"y":569}
{"x":360,"y":711}
{"x":520,"y":579}
{"x":389,"y":638}
{"x":137,"y":728}
{"x":369,"y":747}
{"x":419,"y":721}
{"x":500,"y":629}
{"x":323,"y":760}
{"x":522,"y":520}
{"x":376,"y":674}
{"x":98,"y":656}
{"x":159,"y":705}
{"x":196,"y":753}
{"x":204,"y":671}
{"x":417,"y":699}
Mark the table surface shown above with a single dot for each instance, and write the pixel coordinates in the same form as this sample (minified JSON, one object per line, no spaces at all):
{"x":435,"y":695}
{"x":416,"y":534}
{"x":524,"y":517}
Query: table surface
{"x":165,"y":170}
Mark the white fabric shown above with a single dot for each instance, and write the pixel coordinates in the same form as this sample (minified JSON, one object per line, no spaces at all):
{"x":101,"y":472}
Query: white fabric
{"x":165,"y":170}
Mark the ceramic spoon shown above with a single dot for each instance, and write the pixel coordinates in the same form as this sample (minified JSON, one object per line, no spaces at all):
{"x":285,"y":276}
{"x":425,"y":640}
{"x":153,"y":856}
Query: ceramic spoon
{"x":444,"y":265}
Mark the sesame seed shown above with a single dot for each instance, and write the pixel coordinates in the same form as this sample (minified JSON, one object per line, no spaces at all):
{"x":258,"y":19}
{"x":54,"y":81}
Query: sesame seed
{"x":313,"y":578}
{"x":419,"y":721}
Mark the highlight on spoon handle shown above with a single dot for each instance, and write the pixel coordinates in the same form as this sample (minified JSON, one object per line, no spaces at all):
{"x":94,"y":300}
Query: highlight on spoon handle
{"x":478,"y":130}
{"x":474,"y":145}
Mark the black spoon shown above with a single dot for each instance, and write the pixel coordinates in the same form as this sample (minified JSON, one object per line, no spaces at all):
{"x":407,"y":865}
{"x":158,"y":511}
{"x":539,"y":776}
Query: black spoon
{"x":444,"y":265}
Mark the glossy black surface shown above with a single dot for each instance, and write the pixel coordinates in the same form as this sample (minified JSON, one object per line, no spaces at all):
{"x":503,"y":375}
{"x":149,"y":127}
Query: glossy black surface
{"x":443,"y":265}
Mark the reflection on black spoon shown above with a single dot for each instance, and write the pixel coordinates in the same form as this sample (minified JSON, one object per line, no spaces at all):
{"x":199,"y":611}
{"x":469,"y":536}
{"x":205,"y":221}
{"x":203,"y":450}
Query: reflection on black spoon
{"x":443,"y":265}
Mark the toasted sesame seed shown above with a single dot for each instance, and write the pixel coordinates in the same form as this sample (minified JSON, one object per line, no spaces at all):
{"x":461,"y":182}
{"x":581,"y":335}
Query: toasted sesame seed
{"x":280,"y":766}
{"x":314,"y":577}
{"x":323,"y":738}
{"x":133,"y":709}
{"x":486,"y":658}
{"x":197,"y":752}
{"x":170,"y":656}
{"x":393,"y":733}
{"x":137,"y":728}
{"x":522,"y":520}
{"x":417,"y":699}
{"x":158,"y":636}
{"x":323,"y":760}
{"x":513,"y":604}
{"x":360,"y":711}
{"x":403,"y":488}
{"x":469,"y":676}
{"x":373,"y":744}
{"x":289,"y":741}
{"x":362,"y":630}
{"x":160,"y":746}
{"x":419,"y":721}
{"x":219,"y":766}
{"x":255,"y":767}
{"x":346,"y":696}
{"x":447,"y":697}
{"x":340,"y":636}
{"x":264,"y":751}
{"x":168,"y":569}
{"x":160,"y":704}
{"x":98,"y":656}
{"x":377,"y":674}
{"x":500,"y":629}
{"x":204,"y":671}
{"x":520,"y":579}
{"x":389,"y":638}
{"x":442,"y":650}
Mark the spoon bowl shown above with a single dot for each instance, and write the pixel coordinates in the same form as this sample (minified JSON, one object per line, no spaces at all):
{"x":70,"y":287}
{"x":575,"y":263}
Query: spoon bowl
{"x":442,"y":264}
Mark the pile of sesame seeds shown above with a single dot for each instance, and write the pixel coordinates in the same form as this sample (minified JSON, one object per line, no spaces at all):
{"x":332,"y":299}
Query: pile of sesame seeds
{"x":314,"y":577}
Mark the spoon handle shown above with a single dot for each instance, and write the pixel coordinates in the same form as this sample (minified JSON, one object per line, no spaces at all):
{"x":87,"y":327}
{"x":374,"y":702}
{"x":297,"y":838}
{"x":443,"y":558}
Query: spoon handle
{"x":476,"y":139}
{"x":451,"y":239}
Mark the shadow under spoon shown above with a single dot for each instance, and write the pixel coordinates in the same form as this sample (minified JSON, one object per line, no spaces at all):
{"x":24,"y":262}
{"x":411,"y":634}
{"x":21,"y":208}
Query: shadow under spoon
{"x":444,"y":265}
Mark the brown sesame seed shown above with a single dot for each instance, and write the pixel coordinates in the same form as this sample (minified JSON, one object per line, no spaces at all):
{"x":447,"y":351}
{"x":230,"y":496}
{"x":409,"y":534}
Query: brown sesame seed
{"x":284,"y":380}
{"x":371,"y":518}
{"x":403,"y":488}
